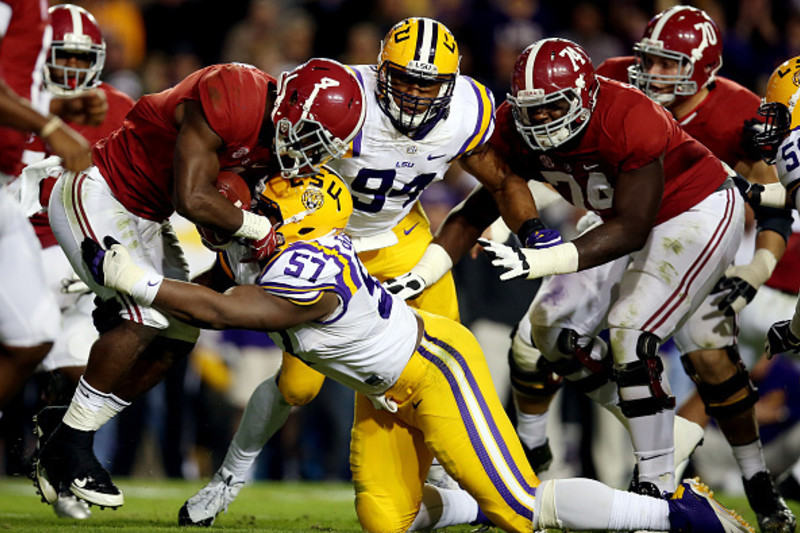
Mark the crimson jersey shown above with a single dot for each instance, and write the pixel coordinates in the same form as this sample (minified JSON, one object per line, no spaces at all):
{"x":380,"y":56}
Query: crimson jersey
{"x":137,"y":159}
{"x":785,"y":276}
{"x":26,"y":33}
{"x":119,"y":104}
{"x":626,"y":131}
{"x":718,"y":120}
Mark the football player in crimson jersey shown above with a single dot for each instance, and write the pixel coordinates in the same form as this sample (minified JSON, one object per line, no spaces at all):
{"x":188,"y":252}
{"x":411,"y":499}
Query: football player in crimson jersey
{"x":73,"y":67}
{"x":28,"y":314}
{"x":671,"y":226}
{"x":422,"y":384}
{"x":675,"y":64}
{"x":166,"y":158}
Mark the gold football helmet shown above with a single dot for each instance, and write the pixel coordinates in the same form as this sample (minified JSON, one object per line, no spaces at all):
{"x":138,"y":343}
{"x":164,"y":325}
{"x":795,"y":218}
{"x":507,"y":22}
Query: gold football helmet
{"x":417,"y":52}
{"x":779,"y":108}
{"x":306,"y":207}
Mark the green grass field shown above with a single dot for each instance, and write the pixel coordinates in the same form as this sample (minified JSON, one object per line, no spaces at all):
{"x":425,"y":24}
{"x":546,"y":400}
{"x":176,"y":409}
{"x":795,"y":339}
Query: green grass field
{"x":152,"y":505}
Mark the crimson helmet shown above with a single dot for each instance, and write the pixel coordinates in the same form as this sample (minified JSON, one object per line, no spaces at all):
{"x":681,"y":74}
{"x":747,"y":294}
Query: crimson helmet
{"x":546,"y":73}
{"x":75,"y":33}
{"x":683,"y":34}
{"x":319,"y":109}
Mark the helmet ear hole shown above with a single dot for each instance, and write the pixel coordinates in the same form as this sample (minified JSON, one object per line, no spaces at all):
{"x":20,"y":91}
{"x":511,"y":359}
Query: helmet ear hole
{"x":305,"y":231}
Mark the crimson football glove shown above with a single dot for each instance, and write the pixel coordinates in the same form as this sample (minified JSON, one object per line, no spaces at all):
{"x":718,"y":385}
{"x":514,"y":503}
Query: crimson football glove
{"x":262,"y":248}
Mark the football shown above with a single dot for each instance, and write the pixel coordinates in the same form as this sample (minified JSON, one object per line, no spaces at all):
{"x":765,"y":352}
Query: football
{"x":234,"y":188}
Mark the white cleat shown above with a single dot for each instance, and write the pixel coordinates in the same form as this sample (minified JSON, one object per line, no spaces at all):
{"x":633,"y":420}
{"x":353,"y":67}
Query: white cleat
{"x":688,"y":436}
{"x":438,"y":477}
{"x":68,"y":506}
{"x":202,"y":508}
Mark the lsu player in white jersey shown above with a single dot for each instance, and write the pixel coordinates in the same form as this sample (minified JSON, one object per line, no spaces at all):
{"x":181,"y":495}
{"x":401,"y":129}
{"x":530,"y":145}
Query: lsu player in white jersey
{"x":779,"y":143}
{"x":421,"y":115}
{"x":422,"y":384}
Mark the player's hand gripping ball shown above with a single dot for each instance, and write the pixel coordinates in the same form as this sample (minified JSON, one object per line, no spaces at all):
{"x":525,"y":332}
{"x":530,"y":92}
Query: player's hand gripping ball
{"x":235,"y":189}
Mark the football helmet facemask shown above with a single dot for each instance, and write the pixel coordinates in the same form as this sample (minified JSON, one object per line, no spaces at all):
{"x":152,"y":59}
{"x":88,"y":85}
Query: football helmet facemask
{"x":552,"y":74}
{"x":779,"y":108}
{"x":308,"y":207}
{"x":417,"y":51}
{"x":75,"y":34}
{"x":683,"y":34}
{"x":318,"y":111}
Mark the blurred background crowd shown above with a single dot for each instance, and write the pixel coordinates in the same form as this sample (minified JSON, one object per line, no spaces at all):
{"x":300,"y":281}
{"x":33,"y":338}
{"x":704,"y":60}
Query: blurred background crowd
{"x":182,"y":428}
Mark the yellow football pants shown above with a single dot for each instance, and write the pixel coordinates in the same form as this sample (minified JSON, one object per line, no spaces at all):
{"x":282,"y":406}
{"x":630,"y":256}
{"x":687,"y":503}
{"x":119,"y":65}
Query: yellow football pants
{"x":447,"y":407}
{"x":298,"y":383}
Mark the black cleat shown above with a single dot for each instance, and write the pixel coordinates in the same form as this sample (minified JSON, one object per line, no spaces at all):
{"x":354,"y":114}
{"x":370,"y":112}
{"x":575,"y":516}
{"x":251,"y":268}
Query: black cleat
{"x":67,"y":459}
{"x":540,"y":457}
{"x":45,"y":423}
{"x":772,"y":513}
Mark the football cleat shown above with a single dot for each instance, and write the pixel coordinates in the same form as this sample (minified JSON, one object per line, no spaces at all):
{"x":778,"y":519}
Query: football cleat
{"x":438,"y":477}
{"x":68,"y":506}
{"x":66,"y":460}
{"x":771,"y":510}
{"x":45,"y":423}
{"x":539,"y":457}
{"x":202,"y":508}
{"x":693,"y":509}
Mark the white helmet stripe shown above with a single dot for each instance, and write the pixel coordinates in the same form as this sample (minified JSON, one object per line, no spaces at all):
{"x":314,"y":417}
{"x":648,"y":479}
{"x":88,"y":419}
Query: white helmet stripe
{"x":668,"y":14}
{"x":77,"y":22}
{"x":426,"y":30}
{"x":531,"y":61}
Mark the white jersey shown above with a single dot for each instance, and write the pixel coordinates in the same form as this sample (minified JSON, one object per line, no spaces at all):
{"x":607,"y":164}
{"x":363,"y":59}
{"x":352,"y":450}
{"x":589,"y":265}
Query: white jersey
{"x":788,"y":161}
{"x":387,"y":170}
{"x":368,"y":340}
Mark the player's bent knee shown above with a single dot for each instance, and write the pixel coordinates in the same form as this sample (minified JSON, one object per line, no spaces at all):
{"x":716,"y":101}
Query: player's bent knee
{"x":26,"y":356}
{"x":735,"y":395}
{"x":297,"y":392}
{"x":531,"y":374}
{"x":377,"y":518}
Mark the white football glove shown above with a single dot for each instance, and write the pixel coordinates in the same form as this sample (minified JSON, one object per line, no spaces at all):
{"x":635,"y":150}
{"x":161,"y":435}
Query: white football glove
{"x":407,"y":286}
{"x":114,"y":268}
{"x":741,"y":282}
{"x":531,"y":263}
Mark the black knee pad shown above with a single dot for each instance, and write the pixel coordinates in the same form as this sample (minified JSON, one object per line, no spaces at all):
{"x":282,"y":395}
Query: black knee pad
{"x":646,"y":371}
{"x":599,"y":371}
{"x":731,"y":397}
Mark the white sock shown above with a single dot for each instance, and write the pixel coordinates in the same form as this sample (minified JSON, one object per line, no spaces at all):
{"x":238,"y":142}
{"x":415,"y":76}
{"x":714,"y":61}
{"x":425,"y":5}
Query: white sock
{"x":654,"y":444}
{"x":532,"y":429}
{"x":750,"y":458}
{"x":584,"y":504}
{"x":265,"y":413}
{"x":111,"y":408}
{"x":86,"y":403}
{"x":442,"y":508}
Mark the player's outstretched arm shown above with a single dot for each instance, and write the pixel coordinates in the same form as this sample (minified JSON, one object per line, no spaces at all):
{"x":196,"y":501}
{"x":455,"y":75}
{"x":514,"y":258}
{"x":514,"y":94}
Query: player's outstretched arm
{"x":242,"y":307}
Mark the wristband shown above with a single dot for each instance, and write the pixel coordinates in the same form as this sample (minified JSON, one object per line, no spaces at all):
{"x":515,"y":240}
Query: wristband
{"x":761,"y":267}
{"x":433,"y":264}
{"x":773,"y":195}
{"x":559,"y":259}
{"x":145,"y":290}
{"x":52,"y":125}
{"x":254,"y":227}
{"x":530,"y":226}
